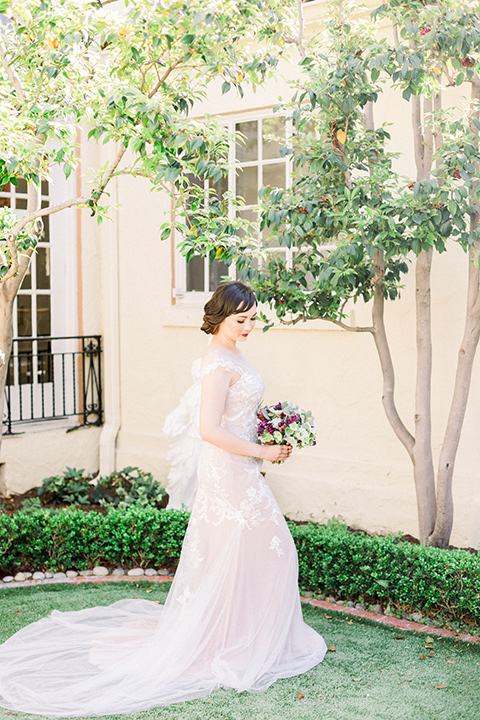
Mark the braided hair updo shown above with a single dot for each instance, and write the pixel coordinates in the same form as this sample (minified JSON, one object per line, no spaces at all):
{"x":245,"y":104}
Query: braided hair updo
{"x":230,"y":298}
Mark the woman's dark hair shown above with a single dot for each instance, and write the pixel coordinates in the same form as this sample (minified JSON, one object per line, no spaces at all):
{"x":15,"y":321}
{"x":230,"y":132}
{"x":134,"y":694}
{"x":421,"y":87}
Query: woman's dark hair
{"x":230,"y":298}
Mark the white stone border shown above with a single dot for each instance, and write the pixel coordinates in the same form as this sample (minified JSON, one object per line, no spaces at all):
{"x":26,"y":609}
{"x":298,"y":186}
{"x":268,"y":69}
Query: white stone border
{"x":27,"y":579}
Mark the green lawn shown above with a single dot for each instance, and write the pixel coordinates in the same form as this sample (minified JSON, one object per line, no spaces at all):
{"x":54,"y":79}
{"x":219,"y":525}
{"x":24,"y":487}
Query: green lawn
{"x":375,"y":672}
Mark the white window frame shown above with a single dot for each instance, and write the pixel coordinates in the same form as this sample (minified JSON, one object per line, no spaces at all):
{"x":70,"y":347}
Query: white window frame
{"x":180,"y":293}
{"x":63,"y":291}
{"x":63,"y":259}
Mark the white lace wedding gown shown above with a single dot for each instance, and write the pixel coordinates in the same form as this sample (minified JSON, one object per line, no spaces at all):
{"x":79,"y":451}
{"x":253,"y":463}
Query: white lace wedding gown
{"x":182,"y":431}
{"x":232,"y":618}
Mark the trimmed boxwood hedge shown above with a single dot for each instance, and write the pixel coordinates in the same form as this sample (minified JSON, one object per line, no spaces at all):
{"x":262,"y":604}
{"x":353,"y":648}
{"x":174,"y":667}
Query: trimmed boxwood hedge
{"x":355,"y":566}
{"x":76,"y":540}
{"x":332,"y":560}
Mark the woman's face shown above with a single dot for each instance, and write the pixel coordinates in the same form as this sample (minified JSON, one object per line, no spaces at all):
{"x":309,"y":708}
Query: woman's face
{"x":237,"y":327}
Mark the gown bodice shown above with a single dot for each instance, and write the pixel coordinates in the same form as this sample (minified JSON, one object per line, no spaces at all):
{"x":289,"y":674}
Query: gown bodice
{"x":243,"y":396}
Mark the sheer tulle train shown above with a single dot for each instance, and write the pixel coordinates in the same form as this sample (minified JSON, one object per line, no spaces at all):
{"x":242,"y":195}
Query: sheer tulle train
{"x":232,"y":618}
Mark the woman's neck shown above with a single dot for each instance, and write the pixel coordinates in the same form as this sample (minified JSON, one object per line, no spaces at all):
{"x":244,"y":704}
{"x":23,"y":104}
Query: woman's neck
{"x":223,"y":343}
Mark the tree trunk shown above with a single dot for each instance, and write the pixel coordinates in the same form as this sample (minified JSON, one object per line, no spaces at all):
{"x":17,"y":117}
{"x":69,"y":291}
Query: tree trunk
{"x":8,"y":293}
{"x":6,"y":309}
{"x":423,"y":470}
{"x":440,"y":537}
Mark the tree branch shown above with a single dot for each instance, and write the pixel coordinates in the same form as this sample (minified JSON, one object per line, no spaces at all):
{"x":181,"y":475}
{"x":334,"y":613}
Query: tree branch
{"x":428,"y":138}
{"x":383,"y":349}
{"x":298,"y":40}
{"x":164,"y":77}
{"x":41,"y":212}
{"x":51,"y":210}
{"x":418,"y":136}
{"x":109,"y":172}
{"x":350,"y":328}
{"x":368,"y":121}
{"x":473,"y":297}
{"x":12,"y":75}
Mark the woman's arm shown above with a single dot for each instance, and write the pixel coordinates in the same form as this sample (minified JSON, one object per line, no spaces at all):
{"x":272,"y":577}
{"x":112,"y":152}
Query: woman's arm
{"x":214,"y":395}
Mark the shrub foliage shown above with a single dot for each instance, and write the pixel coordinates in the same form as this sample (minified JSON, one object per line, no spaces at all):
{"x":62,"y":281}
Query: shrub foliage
{"x":71,"y":539}
{"x":332,"y":560}
{"x":353,"y":566}
{"x":130,"y":486}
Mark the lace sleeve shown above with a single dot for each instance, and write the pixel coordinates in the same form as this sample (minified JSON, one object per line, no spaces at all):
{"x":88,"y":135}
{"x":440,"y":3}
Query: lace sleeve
{"x":215,"y":360}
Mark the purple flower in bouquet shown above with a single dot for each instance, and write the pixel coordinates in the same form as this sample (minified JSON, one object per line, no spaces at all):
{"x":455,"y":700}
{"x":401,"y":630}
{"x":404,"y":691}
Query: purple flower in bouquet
{"x":285,"y":423}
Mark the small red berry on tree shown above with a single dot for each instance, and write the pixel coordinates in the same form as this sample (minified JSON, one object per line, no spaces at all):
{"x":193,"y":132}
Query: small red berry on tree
{"x":468,"y":61}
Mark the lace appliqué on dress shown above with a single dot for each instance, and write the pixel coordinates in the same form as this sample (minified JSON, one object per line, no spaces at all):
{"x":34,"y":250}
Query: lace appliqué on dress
{"x":275,"y":545}
{"x":185,"y":597}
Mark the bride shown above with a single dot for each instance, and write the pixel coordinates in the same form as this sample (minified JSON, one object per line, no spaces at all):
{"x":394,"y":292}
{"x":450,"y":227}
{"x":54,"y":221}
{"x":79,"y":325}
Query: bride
{"x":232,"y":618}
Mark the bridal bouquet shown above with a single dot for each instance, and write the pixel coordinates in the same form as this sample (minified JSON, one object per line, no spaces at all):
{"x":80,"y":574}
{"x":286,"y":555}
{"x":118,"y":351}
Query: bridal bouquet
{"x":285,"y":423}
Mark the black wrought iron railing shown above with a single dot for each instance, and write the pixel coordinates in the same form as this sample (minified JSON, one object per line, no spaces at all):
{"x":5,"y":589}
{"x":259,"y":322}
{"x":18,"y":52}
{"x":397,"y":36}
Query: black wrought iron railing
{"x":51,"y":378}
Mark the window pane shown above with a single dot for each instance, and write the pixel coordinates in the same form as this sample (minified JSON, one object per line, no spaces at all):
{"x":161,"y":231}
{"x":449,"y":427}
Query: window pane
{"x":27,"y":279}
{"x":10,"y":372}
{"x":247,"y":184}
{"x":4,"y":202}
{"x":245,"y":274}
{"x":21,"y":203}
{"x":5,"y":188}
{"x":45,"y":362}
{"x":251,"y":215}
{"x":196,"y":274}
{"x":308,"y":128}
{"x":46,"y":224}
{"x":273,"y":126}
{"x":220,"y":187}
{"x":278,"y":254}
{"x":43,"y":268}
{"x":44,"y":187}
{"x":24,"y":315}
{"x":270,"y":238}
{"x":274,"y":175}
{"x":247,"y":148}
{"x":43,"y":315}
{"x":217,"y":271}
{"x":25,"y":363}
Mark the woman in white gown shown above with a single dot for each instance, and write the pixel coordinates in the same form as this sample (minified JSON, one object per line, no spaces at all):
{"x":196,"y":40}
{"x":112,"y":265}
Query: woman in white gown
{"x":232,"y":618}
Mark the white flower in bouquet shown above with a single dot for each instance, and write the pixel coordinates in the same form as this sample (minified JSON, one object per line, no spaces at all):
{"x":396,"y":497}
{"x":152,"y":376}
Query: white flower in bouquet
{"x":285,"y":423}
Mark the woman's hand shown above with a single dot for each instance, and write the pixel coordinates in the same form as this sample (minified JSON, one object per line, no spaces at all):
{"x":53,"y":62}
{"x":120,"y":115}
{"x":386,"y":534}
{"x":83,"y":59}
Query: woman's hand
{"x":276,"y":453}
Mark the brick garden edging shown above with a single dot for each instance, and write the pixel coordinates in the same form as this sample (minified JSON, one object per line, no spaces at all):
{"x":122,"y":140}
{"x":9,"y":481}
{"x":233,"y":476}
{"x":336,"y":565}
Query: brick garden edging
{"x":390,"y":620}
{"x":323,"y":604}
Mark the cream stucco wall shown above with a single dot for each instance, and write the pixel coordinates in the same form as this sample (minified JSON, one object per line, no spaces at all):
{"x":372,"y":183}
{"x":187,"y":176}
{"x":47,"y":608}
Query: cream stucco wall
{"x":358,"y":470}
{"x":37,"y":454}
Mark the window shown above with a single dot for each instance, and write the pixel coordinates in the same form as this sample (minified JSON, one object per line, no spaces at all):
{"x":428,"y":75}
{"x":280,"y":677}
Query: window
{"x":45,"y":308}
{"x":32,"y":316}
{"x":257,"y":163}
